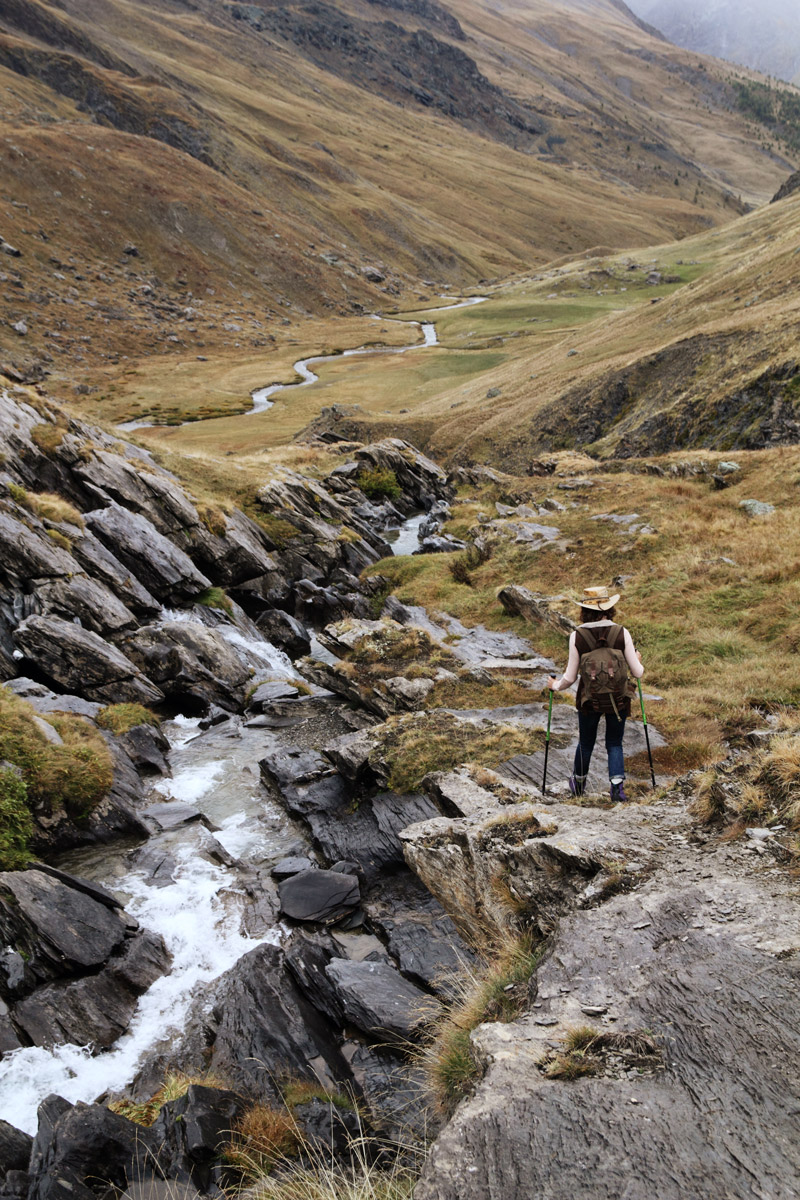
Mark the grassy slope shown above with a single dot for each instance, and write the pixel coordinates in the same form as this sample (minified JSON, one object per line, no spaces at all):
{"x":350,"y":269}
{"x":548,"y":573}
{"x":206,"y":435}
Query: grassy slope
{"x":325,"y":168}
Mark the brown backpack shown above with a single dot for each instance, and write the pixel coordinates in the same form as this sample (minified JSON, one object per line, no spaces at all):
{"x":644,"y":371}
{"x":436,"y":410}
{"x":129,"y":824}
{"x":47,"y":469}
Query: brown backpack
{"x":603,"y":671}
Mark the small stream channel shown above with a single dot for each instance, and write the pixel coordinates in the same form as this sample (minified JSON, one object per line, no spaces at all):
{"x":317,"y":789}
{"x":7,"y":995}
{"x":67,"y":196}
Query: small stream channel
{"x":261,"y":397}
{"x":196,"y":904}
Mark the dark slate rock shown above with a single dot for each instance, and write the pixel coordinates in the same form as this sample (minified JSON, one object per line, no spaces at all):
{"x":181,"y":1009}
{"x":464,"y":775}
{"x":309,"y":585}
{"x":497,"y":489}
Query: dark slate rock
{"x":285,"y":631}
{"x":307,"y":956}
{"x":267,"y":693}
{"x":160,"y":566}
{"x":262,"y":1028}
{"x":9,"y":1036}
{"x":191,"y":1133}
{"x":396,"y":1093}
{"x":81,"y":661}
{"x":147,"y":748}
{"x":15,"y":1148}
{"x":328,"y":1129}
{"x":378,"y":1000}
{"x":169,"y":814}
{"x":187,"y":659}
{"x":319,"y":896}
{"x":87,"y":886}
{"x":291,"y":866}
{"x":60,"y":928}
{"x":81,"y":1148}
{"x":293,"y":766}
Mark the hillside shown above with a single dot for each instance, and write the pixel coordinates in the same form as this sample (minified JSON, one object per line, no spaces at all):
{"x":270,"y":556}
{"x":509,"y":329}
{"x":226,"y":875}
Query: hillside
{"x":763,"y":35}
{"x":168,"y":193}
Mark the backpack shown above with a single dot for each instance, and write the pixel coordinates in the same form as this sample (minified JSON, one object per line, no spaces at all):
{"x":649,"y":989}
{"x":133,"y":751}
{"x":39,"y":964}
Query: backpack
{"x":603,"y":671}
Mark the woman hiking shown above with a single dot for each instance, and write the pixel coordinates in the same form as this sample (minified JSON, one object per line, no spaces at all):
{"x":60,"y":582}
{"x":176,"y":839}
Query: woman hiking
{"x":602,"y":657}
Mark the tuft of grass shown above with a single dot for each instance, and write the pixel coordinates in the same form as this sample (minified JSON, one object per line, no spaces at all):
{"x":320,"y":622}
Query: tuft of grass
{"x":16,"y":823}
{"x":119,"y":718}
{"x":60,"y":539}
{"x":302,"y":1091}
{"x":263,"y":1136}
{"x":48,"y":436}
{"x":215,"y":597}
{"x":72,"y":777}
{"x":379,"y":484}
{"x":19,"y":494}
{"x":175,"y":1085}
{"x":213,"y":518}
{"x":763,"y":790}
{"x":51,"y":507}
{"x":585,"y":1048}
{"x":499,"y":993}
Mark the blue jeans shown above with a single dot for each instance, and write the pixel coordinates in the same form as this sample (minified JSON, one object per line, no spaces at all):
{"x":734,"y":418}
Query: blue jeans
{"x":588,"y":723}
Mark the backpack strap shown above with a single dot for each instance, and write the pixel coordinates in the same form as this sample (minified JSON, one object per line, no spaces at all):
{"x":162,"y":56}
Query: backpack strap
{"x":585,"y":640}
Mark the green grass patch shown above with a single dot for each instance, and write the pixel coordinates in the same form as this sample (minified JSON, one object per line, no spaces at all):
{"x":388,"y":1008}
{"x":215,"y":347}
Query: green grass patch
{"x":379,"y":484}
{"x":72,"y":777}
{"x":215,"y":597}
{"x":119,"y":718}
{"x":16,"y":823}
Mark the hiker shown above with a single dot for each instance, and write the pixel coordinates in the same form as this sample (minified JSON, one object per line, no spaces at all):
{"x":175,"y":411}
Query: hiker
{"x":602,"y":657}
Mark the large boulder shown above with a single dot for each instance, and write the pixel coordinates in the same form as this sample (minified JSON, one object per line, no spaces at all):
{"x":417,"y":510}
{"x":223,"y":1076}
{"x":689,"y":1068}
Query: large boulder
{"x":79,"y":1150}
{"x":165,"y":570}
{"x":143,"y":489}
{"x":28,"y":553}
{"x":98,"y":561}
{"x":379,"y":1001}
{"x":322,"y":897}
{"x":191,"y":1134}
{"x":422,"y":481}
{"x":88,"y":602}
{"x":15,"y":1149}
{"x":81,"y":661}
{"x":187,"y":659}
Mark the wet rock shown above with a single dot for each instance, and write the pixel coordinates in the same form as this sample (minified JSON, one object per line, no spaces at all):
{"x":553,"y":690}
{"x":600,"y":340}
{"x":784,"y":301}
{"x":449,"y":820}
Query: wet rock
{"x":85,"y":600}
{"x":165,"y":571}
{"x":186,"y":659}
{"x":319,"y":896}
{"x":262,"y":1028}
{"x":328,"y":1128}
{"x":192,"y":1132}
{"x":293,"y":766}
{"x":96,"y":1009}
{"x":267,"y":693}
{"x":80,"y":1148}
{"x":81,"y":661}
{"x":440,"y":544}
{"x":285,"y":631}
{"x":15,"y":1148}
{"x":56,"y":928}
{"x":291,"y":866}
{"x":170,"y":814}
{"x":378,"y":1000}
{"x":147,"y":748}
{"x":88,"y":887}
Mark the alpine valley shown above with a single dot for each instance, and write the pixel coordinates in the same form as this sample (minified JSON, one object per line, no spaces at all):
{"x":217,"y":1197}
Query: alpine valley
{"x":343,"y":343}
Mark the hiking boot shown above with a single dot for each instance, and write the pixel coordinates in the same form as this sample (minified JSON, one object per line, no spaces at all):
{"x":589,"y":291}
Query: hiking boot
{"x":577,"y":785}
{"x":618,"y":791}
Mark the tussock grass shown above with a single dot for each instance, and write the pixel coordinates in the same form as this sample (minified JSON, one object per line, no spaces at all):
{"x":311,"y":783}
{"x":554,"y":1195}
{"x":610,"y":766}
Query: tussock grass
{"x":47,"y":505}
{"x":175,"y":1085}
{"x":585,"y":1049}
{"x":499,"y":991}
{"x":215,"y":597}
{"x":763,"y":789}
{"x":72,"y":777}
{"x":119,"y":718}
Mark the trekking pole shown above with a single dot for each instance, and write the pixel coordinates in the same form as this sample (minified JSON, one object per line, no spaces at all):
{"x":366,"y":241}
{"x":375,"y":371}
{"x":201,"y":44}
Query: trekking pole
{"x":646,"y":733}
{"x":547,"y":743}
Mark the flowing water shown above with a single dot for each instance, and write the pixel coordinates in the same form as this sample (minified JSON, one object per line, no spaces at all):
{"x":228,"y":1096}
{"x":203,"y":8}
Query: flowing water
{"x":197,"y":908}
{"x":261,"y":397}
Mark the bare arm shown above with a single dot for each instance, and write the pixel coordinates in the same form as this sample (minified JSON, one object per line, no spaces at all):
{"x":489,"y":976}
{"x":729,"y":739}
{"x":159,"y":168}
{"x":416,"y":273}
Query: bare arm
{"x":571,"y":673}
{"x":633,"y":658}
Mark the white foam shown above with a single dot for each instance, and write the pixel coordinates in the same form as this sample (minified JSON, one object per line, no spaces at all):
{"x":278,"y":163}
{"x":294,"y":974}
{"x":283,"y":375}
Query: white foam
{"x":200,"y":926}
{"x":192,"y":783}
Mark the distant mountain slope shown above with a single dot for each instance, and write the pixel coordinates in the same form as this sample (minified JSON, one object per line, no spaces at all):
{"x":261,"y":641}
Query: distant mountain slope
{"x":253,"y":163}
{"x":763,"y":34}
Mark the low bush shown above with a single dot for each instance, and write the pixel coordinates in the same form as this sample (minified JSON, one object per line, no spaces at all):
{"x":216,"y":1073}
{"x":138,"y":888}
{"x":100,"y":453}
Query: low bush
{"x":379,"y":484}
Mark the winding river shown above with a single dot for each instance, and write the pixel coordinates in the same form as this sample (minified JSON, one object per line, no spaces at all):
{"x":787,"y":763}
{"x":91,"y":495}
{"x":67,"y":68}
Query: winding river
{"x":261,"y":397}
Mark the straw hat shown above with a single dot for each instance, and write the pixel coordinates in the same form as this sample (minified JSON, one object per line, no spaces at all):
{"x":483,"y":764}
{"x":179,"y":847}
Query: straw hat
{"x":598,"y":599}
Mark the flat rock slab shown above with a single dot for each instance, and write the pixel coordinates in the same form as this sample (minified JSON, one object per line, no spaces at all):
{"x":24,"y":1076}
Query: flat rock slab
{"x":319,"y":896}
{"x":173,"y":813}
{"x":378,"y":1000}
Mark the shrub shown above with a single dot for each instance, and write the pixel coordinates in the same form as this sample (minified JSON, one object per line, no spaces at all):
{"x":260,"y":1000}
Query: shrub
{"x":71,"y":777}
{"x":16,"y":824}
{"x":379,"y":484}
{"x":119,"y":718}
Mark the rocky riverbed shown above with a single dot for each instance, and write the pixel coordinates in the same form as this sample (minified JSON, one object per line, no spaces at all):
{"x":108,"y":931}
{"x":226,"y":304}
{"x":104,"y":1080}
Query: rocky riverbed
{"x":286,"y":879}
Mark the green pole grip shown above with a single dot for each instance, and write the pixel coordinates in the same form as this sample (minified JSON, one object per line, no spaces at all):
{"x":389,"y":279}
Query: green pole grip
{"x":641,"y":701}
